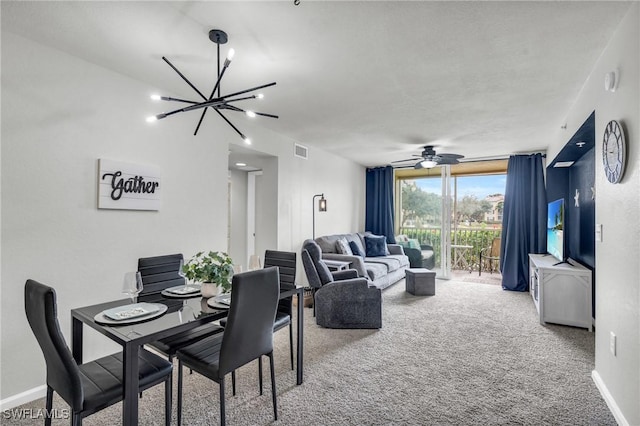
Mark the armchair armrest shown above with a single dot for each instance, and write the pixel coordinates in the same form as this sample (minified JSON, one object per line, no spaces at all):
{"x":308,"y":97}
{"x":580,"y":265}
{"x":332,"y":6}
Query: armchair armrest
{"x":345,"y":289}
{"x":357,"y":262}
{"x":344,"y":274}
{"x":395,"y":249}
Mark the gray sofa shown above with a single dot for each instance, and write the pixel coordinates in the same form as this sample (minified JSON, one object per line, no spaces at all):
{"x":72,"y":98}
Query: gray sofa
{"x":381,"y":271}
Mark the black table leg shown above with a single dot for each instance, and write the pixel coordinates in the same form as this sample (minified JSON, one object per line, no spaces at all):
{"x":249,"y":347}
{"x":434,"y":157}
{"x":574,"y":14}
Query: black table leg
{"x":300,"y":345}
{"x":76,"y":339}
{"x":131,"y":384}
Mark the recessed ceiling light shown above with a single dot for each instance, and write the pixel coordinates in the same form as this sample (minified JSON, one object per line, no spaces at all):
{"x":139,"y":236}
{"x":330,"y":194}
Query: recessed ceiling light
{"x":241,"y":164}
{"x":563,"y":164}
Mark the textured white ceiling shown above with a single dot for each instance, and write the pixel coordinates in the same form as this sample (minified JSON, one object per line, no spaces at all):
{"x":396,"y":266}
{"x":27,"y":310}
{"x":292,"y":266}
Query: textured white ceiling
{"x":372,"y":81}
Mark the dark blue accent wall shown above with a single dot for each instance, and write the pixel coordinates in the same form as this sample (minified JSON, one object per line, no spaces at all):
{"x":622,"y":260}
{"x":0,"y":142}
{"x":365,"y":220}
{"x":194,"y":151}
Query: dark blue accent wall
{"x":581,"y":234}
{"x":579,"y":227}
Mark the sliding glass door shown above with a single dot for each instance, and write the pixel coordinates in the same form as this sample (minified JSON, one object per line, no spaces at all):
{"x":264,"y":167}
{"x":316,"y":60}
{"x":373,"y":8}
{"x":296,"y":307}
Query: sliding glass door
{"x":423,"y":211}
{"x":455,"y":209}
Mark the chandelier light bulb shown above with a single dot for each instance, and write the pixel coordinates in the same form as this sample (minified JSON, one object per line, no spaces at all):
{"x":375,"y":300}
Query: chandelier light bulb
{"x":230,"y":54}
{"x":156,"y":97}
{"x":260,"y":96}
{"x":250,"y":114}
{"x":151,"y":119}
{"x":247,"y":141}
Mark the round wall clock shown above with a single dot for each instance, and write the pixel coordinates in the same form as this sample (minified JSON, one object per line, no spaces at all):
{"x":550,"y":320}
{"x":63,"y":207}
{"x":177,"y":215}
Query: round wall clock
{"x":614,"y":152}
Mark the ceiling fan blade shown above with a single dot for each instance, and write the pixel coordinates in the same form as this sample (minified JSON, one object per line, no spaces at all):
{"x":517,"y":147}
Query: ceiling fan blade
{"x":407,"y":159}
{"x":448,"y":160}
{"x":451,"y":155}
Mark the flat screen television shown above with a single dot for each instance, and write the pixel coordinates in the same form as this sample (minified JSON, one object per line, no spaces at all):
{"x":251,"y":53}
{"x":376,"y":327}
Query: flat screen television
{"x":555,"y":229}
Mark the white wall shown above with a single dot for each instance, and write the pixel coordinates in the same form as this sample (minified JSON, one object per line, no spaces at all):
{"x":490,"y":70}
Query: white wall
{"x":617,"y":209}
{"x":238,"y":218}
{"x":59,"y":115}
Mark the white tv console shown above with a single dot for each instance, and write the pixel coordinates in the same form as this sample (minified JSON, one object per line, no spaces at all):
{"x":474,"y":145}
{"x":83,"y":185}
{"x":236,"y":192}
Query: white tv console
{"x":560,"y":291}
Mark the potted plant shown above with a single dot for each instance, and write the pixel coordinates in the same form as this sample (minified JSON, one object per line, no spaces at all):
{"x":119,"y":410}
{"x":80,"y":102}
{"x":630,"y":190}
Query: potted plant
{"x":213,"y":269}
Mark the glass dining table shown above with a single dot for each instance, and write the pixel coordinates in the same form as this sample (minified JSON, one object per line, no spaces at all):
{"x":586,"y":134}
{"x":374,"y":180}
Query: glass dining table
{"x":182,"y":315}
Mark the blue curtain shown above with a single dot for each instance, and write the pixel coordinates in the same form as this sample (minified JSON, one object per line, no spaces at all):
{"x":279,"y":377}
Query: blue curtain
{"x":523,"y":220}
{"x":379,"y":204}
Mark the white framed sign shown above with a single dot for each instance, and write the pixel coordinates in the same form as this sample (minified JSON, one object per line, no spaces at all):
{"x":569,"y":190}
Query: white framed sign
{"x":128,"y":186}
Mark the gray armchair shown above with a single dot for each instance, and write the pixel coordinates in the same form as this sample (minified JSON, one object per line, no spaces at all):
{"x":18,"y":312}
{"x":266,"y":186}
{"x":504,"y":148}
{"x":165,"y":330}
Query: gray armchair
{"x":341,"y":299}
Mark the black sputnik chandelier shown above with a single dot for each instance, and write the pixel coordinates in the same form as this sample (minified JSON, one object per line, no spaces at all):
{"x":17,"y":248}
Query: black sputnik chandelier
{"x":215,"y":101}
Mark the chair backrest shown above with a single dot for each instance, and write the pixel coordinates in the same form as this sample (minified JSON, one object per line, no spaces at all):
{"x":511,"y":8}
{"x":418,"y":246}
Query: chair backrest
{"x":159,"y":273}
{"x":285,"y":261}
{"x":495,"y":247}
{"x":310,"y":270}
{"x":63,"y":374}
{"x":315,"y":255}
{"x":249,"y":330}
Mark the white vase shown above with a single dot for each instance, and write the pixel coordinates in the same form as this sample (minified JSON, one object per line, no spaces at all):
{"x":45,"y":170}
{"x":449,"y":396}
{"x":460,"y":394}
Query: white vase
{"x":209,"y":290}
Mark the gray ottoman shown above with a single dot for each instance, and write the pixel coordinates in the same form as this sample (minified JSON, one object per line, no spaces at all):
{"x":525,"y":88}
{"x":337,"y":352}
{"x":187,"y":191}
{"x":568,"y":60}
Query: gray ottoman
{"x":420,"y":282}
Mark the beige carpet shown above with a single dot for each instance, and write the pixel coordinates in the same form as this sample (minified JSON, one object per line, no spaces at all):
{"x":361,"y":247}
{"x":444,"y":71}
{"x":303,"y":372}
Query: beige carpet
{"x":471,"y":355}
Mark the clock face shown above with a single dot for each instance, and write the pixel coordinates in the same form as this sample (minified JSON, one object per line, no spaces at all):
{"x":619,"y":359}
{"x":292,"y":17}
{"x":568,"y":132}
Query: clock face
{"x":613,"y":152}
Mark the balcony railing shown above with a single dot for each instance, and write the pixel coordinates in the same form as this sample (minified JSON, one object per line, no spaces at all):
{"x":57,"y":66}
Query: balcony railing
{"x":477,"y":237}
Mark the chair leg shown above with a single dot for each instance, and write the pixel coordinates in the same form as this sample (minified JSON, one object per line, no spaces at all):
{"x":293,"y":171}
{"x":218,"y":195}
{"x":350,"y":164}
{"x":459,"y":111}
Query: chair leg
{"x":76,"y":419}
{"x":233,"y":382}
{"x":291,"y":343}
{"x":49,"y":406}
{"x":179,"y":392}
{"x":260,"y":373}
{"x":273,"y":388}
{"x":222,"y":415}
{"x":168,"y":385}
{"x":313,"y":300}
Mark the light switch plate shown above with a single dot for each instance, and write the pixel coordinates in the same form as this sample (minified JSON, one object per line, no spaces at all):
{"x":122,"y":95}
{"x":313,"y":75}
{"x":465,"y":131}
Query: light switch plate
{"x":599,"y":232}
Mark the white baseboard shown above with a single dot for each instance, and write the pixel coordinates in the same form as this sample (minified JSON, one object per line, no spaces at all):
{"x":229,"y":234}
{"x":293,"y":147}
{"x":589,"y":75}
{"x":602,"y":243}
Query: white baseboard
{"x":23,"y":398}
{"x":611,"y":403}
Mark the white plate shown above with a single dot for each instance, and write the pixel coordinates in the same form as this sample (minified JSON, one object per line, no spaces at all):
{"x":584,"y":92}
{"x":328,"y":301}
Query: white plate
{"x":182,"y":290}
{"x":128,"y":312}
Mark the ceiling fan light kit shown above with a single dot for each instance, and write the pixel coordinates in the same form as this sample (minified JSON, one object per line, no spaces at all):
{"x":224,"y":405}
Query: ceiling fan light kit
{"x":215,"y":100}
{"x":428,"y":159}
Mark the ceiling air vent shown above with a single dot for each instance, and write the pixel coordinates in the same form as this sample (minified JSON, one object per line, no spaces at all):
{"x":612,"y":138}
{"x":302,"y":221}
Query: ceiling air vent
{"x":300,"y":151}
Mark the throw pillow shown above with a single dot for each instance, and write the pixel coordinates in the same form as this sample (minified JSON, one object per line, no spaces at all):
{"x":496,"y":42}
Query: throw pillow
{"x":355,"y":250}
{"x":342,"y":246}
{"x":376,"y":245}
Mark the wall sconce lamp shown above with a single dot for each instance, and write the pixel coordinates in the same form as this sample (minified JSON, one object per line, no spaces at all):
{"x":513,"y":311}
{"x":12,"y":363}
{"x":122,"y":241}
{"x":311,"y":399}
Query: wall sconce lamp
{"x":322,"y":207}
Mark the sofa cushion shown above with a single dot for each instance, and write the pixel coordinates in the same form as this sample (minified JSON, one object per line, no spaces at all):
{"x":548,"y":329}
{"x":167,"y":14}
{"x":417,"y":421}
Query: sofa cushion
{"x":391,"y":262}
{"x":342,"y":246}
{"x":376,"y":245}
{"x":355,"y":250}
{"x":375,"y":270}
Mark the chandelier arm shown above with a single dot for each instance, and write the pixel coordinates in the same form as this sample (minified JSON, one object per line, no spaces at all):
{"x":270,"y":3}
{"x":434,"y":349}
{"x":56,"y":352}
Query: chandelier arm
{"x":217,"y":86}
{"x":235,"y":108}
{"x":250,"y":90}
{"x":200,"y":121}
{"x":184,"y":78}
{"x":264,"y":114}
{"x":239,"y":99}
{"x":231,"y":124}
{"x":168,"y":98}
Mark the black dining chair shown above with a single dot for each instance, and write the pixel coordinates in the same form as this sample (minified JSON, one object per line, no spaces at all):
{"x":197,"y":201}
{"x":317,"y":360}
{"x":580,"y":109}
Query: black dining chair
{"x":159,"y":273}
{"x":286,"y":263}
{"x":92,"y":386}
{"x":247,"y":336}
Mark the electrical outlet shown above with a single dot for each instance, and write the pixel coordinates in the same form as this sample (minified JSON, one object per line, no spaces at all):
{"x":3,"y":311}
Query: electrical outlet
{"x":612,"y":343}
